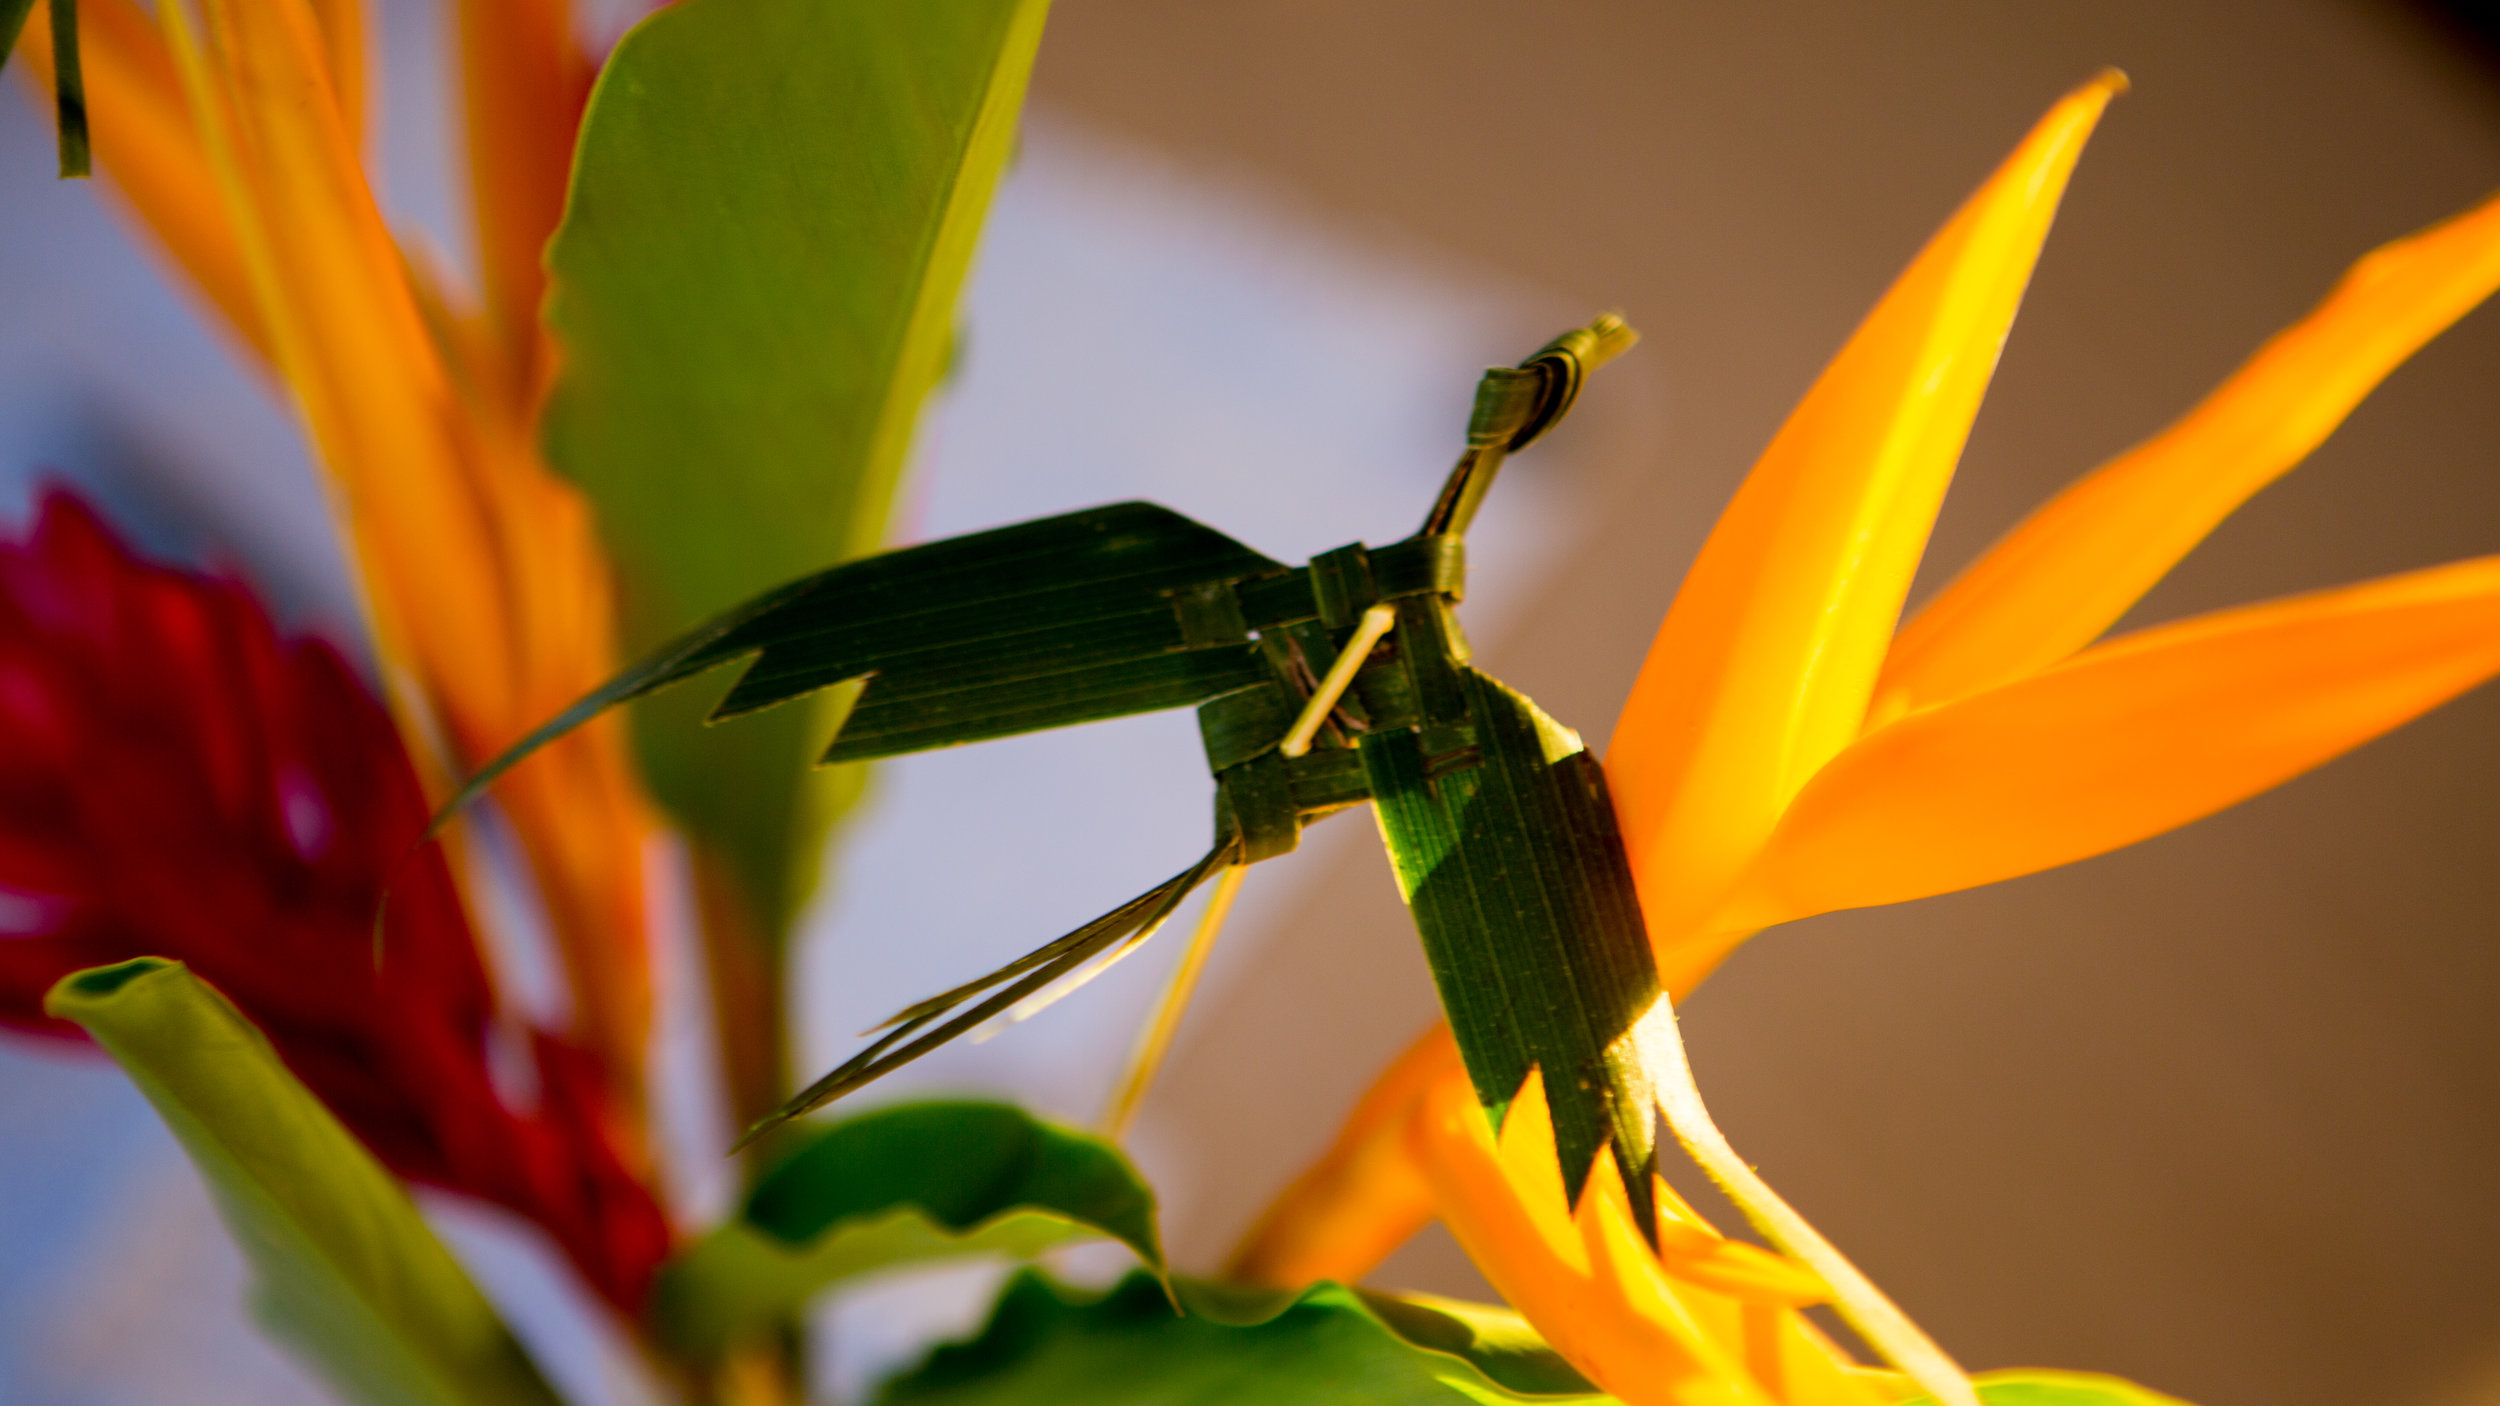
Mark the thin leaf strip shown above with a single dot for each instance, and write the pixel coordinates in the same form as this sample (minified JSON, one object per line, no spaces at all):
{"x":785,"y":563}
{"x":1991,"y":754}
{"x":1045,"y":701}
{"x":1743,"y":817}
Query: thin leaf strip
{"x":69,"y":89}
{"x":1131,"y":923}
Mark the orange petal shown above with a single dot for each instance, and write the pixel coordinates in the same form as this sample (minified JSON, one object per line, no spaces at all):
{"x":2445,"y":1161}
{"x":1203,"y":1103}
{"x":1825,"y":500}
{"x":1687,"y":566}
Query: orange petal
{"x":351,"y":341}
{"x":342,"y":25}
{"x":481,"y":570}
{"x":1704,"y":1319}
{"x":1365,"y":1197}
{"x":1589,"y":1284}
{"x":2076,"y":565}
{"x":145,"y":143}
{"x":2124,"y":741}
{"x":526,"y":80}
{"x":1764,"y":666}
{"x":1744,"y":1272}
{"x":1611,"y":1315}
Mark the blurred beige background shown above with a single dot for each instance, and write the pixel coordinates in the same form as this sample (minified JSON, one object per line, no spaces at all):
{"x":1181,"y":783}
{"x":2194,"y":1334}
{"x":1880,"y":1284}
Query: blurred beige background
{"x":2220,"y":1112}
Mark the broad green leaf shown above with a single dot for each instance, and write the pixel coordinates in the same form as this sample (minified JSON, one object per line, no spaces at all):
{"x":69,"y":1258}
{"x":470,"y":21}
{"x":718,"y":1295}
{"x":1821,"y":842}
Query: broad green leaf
{"x":774,"y":204}
{"x":910,"y":1183}
{"x":346,"y":1269}
{"x":1326,"y":1346}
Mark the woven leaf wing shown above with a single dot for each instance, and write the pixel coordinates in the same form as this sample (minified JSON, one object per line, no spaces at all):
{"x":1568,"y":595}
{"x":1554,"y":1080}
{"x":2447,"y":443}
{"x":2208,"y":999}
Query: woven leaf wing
{"x":1070,"y":619}
{"x":1507,"y":853}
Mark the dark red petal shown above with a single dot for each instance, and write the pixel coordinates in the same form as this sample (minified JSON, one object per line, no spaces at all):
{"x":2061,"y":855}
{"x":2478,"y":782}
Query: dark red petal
{"x":177,"y":779}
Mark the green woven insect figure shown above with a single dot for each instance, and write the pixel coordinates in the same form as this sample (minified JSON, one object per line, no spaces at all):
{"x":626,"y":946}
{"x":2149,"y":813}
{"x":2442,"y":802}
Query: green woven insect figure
{"x":1317,"y":687}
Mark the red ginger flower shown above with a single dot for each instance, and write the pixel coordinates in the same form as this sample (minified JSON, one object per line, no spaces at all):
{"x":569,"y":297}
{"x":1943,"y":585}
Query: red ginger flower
{"x":177,"y":780}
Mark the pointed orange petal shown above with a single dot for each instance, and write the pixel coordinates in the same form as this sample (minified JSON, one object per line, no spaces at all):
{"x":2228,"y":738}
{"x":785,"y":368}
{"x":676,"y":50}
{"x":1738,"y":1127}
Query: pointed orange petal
{"x":1603,"y":1304}
{"x":2124,"y":741}
{"x":1749,"y":1315}
{"x":482,"y":571}
{"x":1633,"y":1324}
{"x":1702,"y":1320}
{"x":1745,"y":1272}
{"x":1763,"y":668}
{"x":2076,"y":565}
{"x":526,"y":80}
{"x":145,"y":144}
{"x":1365,"y":1197}
{"x":351,"y":341}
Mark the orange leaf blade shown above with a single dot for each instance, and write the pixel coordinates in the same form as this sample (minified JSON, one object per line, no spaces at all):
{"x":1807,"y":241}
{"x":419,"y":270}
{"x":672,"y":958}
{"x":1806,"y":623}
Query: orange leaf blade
{"x":2077,"y":564}
{"x":1765,"y":663}
{"x":2127,"y":740}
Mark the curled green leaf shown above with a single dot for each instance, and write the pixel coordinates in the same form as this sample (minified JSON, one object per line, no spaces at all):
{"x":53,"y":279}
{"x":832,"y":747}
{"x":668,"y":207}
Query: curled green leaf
{"x":347,"y":1271}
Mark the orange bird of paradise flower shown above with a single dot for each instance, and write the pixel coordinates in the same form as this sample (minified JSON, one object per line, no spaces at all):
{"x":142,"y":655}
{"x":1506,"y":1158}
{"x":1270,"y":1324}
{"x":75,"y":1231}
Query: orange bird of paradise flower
{"x":1787,"y":751}
{"x":234,"y":130}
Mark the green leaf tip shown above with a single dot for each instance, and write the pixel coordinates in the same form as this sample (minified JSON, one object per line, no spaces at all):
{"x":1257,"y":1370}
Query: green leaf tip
{"x":904,"y":1184}
{"x":345,"y":1270}
{"x":72,"y":992}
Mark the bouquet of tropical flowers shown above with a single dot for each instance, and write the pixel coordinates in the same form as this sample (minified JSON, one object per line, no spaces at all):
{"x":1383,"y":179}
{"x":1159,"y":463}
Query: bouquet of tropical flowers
{"x":656,"y":433}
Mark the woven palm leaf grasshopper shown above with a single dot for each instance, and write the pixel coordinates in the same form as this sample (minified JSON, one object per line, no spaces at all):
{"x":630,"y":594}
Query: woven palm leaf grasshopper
{"x":1317,"y":687}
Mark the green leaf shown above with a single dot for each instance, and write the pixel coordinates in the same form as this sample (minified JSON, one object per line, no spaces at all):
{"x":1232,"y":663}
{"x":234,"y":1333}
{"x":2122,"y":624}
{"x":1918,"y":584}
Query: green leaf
{"x":906,"y":1184}
{"x":347,"y":1270}
{"x":774,"y":204}
{"x":2032,"y":1386}
{"x":1324,"y":1346}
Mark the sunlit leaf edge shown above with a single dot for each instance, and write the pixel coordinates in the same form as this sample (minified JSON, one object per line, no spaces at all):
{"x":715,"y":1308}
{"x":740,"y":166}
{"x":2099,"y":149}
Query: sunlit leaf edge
{"x":1324,"y":1345}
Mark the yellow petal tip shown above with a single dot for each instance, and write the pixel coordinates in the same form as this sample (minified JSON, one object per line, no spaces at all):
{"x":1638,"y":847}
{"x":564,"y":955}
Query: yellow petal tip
{"x":2112,"y":81}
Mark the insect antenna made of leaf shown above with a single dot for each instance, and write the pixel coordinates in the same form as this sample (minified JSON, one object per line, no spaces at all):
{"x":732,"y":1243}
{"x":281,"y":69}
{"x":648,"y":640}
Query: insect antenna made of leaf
{"x":1516,"y":404}
{"x":1123,"y":927}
